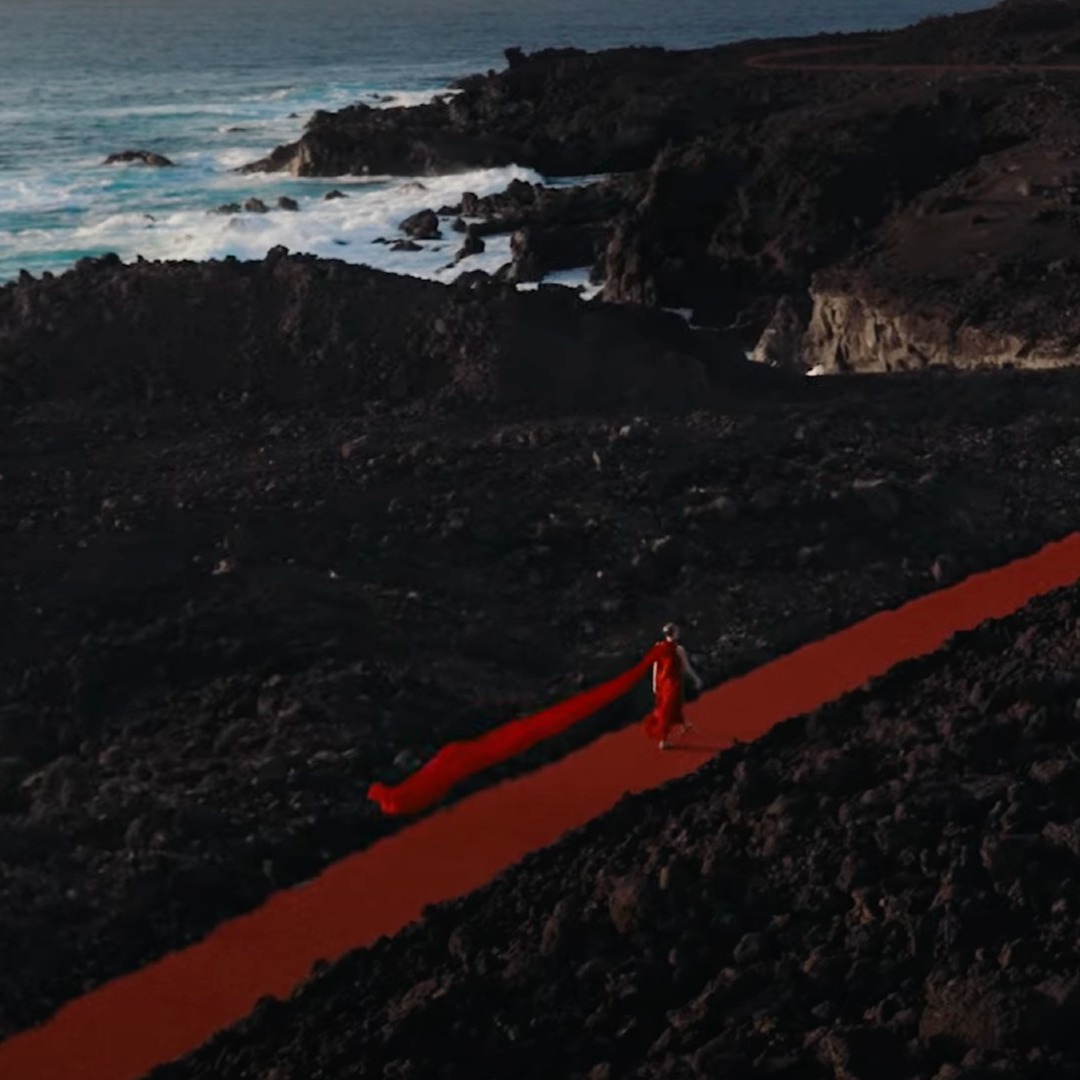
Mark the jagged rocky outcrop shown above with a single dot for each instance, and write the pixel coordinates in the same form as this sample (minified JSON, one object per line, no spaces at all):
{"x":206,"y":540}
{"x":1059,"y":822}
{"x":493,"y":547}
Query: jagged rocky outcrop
{"x":740,"y":183}
{"x":550,"y":228}
{"x":537,"y":252}
{"x":729,"y":222}
{"x":955,"y":176}
{"x":473,"y":244}
{"x":569,"y":112}
{"x":298,"y":330}
{"x":561,"y":111}
{"x":523,"y":204}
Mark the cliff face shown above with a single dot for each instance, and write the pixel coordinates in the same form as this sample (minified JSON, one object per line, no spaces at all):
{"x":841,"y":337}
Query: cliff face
{"x":982,"y":270}
{"x":743,"y":215}
{"x":850,"y":333}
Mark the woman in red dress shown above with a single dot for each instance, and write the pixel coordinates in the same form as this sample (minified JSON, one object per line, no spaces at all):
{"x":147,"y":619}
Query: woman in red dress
{"x":669,"y":673}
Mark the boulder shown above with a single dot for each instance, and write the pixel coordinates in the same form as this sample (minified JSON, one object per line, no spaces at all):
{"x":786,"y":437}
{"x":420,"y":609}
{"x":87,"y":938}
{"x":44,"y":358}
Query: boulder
{"x":422,"y":226}
{"x":139,"y":157}
{"x":473,"y":245}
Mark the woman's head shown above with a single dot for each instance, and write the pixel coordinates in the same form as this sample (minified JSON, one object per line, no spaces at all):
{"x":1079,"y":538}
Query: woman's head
{"x":670,"y":631}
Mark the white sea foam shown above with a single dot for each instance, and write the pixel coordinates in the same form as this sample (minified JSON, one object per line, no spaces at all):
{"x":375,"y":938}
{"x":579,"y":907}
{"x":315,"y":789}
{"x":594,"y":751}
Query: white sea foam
{"x":345,"y":229}
{"x":393,"y":99}
{"x":577,"y":279}
{"x":51,"y":215}
{"x":181,"y":78}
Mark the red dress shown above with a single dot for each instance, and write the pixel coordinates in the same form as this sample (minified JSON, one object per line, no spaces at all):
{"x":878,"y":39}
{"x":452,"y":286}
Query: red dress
{"x":458,"y":760}
{"x":669,"y":693}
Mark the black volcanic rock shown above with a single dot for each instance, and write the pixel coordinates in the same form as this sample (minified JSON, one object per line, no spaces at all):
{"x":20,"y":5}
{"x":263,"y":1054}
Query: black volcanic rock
{"x":724,"y":218}
{"x":569,"y":112}
{"x":295,"y":329}
{"x":273,"y":537}
{"x":140,"y":157}
{"x":423,"y":225}
{"x":561,"y":111}
{"x":271,"y":528}
{"x":472,"y":245}
{"x":744,"y":182}
{"x":538,"y":251}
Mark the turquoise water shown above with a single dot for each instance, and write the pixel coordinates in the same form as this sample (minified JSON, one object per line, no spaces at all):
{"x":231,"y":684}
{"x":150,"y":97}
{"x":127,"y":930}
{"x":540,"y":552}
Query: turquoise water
{"x":215,"y":83}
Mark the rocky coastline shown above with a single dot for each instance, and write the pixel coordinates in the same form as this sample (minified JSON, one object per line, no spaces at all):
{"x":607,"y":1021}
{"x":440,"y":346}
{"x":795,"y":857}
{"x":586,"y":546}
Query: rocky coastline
{"x":271,"y":529}
{"x":944,"y":155}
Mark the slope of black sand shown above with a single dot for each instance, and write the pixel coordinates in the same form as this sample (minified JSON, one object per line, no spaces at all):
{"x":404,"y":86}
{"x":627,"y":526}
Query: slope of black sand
{"x":884,"y":889}
{"x":226,"y":614}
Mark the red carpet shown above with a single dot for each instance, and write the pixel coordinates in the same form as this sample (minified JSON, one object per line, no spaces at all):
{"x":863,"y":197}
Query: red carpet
{"x":125,"y":1028}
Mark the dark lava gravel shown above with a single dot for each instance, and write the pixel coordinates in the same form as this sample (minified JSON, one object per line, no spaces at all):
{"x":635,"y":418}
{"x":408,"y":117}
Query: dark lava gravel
{"x":884,"y":889}
{"x":226,"y":613}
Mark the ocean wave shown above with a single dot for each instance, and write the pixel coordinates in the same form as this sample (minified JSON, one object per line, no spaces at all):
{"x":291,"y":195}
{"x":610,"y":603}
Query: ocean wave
{"x":279,"y":94}
{"x":348,"y":229}
{"x":61,"y":202}
{"x":393,"y":99}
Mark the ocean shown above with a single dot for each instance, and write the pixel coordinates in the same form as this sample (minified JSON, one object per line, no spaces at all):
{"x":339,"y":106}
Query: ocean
{"x":213,"y":84}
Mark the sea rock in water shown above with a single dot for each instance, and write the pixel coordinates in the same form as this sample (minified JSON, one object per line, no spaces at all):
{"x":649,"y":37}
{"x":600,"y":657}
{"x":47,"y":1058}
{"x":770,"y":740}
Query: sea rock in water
{"x":422,"y":226}
{"x":473,"y":245}
{"x":335,"y":194}
{"x":140,"y":157}
{"x":285,"y":203}
{"x":405,"y":245}
{"x":539,"y":251}
{"x":228,"y":208}
{"x":255,"y":206}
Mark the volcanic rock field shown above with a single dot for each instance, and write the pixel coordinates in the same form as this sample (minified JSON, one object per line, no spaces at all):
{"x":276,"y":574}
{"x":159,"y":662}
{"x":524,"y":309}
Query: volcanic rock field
{"x":270,"y":531}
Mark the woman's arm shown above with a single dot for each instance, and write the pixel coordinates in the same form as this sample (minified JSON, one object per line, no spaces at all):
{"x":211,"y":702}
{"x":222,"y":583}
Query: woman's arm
{"x":688,"y":667}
